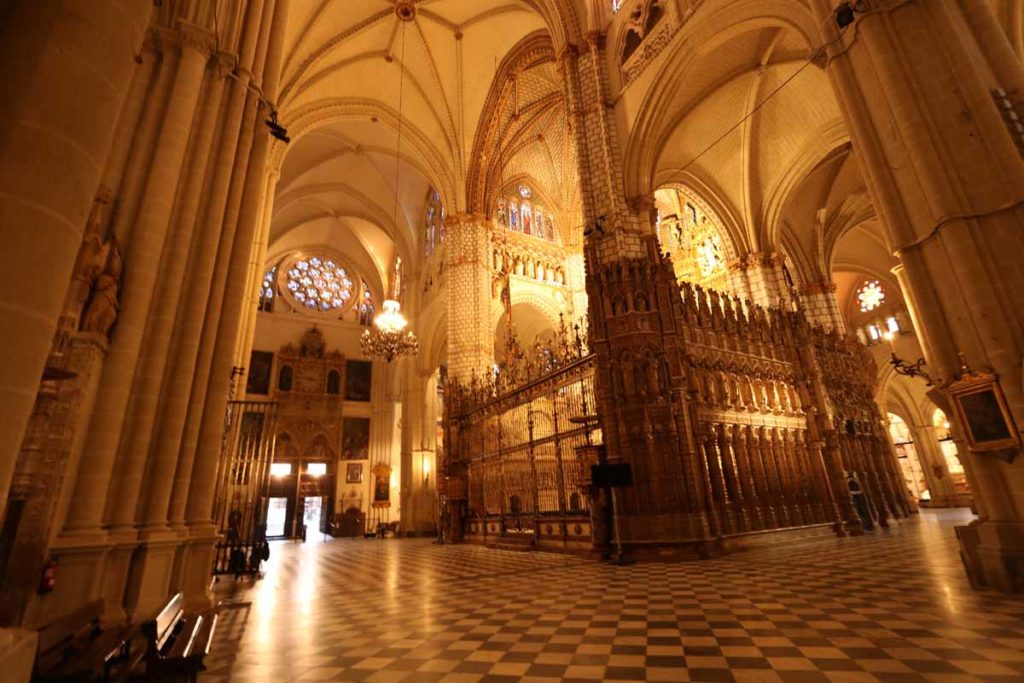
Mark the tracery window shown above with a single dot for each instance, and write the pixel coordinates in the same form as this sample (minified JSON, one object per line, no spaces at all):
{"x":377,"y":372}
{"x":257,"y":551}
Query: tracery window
{"x":366,"y":306}
{"x":318,"y":283}
{"x":433,"y":222}
{"x":870,"y":296}
{"x":519,"y":213}
{"x":267,"y":291}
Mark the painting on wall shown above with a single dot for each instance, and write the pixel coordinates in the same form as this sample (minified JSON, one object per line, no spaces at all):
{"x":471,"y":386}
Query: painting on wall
{"x":358,"y":380}
{"x":354,"y":473}
{"x":381,"y":486}
{"x":983,"y":413}
{"x":355,"y":438}
{"x":260,"y":363}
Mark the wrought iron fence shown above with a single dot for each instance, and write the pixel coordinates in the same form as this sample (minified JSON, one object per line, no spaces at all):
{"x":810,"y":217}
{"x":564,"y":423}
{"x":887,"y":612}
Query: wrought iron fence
{"x":243,"y":486}
{"x":517,"y":434}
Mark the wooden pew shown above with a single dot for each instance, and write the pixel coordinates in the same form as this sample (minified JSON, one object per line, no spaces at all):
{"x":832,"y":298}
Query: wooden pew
{"x":176,"y":642}
{"x":76,"y":647}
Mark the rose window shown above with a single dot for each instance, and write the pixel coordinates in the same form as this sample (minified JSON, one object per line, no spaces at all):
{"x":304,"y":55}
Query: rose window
{"x":870,"y":296}
{"x":318,"y":284}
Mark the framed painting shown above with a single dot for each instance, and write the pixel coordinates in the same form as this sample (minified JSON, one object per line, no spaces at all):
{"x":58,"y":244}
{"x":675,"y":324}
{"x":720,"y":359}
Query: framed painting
{"x":358,"y":380}
{"x":258,"y":381}
{"x":381,"y":486}
{"x":354,"y":473}
{"x":355,"y":438}
{"x":982,"y":412}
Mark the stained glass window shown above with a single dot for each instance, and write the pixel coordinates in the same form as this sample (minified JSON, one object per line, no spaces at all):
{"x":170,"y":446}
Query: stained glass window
{"x":433,"y":222}
{"x":366,"y":306}
{"x":267,"y":290}
{"x":318,"y":283}
{"x":503,"y":213}
{"x":519,"y":213}
{"x":870,"y":295}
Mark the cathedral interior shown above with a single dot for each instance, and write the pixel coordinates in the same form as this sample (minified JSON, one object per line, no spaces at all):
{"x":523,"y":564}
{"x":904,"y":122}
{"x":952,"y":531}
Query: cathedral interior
{"x":498,"y":340}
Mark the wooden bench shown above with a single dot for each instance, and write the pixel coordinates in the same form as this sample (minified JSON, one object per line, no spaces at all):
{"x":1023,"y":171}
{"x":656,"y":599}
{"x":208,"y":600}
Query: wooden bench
{"x":176,"y":643}
{"x":76,"y":647}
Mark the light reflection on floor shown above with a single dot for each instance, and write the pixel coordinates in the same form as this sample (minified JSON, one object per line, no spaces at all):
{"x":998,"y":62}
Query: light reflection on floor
{"x":891,"y":606}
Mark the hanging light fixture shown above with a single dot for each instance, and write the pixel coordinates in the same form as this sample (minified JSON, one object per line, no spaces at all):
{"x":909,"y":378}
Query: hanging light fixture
{"x":388,"y":338}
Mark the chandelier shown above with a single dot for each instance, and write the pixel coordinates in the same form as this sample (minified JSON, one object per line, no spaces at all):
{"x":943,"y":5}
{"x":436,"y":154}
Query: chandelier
{"x":388,"y":338}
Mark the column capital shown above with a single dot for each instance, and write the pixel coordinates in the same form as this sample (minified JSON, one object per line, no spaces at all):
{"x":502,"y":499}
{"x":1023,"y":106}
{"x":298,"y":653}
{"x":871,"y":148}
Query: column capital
{"x":595,"y":39}
{"x":197,"y":38}
{"x":465,"y":217}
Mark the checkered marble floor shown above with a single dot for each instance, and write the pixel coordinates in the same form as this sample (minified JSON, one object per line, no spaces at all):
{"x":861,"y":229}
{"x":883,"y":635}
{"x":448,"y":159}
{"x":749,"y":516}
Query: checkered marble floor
{"x":891,"y":606}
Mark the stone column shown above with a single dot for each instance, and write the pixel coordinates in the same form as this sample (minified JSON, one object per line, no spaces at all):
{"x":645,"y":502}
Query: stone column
{"x":257,"y":269}
{"x":419,"y":475}
{"x":66,"y":77}
{"x":575,"y":279}
{"x":944,"y":171}
{"x":199,"y":508}
{"x":156,"y":352}
{"x":765,"y":282}
{"x":820,"y":306}
{"x":160,"y":479}
{"x":185,"y":393}
{"x":469,"y":289}
{"x":142,"y":265}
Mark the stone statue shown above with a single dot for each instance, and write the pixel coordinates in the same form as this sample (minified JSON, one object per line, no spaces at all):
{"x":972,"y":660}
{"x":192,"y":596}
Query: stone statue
{"x":101,"y":311}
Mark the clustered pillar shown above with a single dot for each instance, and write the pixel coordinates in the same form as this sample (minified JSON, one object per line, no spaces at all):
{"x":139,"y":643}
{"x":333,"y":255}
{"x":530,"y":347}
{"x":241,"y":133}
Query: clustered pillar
{"x":946,"y":200}
{"x":150,"y":332}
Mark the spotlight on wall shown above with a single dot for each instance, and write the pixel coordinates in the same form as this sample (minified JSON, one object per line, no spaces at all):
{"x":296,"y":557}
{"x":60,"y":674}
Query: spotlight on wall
{"x":844,"y":15}
{"x":277,"y":131}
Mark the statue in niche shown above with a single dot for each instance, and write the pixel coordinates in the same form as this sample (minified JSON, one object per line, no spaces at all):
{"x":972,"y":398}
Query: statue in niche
{"x":628,"y":379}
{"x":101,"y":311}
{"x":654,"y":378}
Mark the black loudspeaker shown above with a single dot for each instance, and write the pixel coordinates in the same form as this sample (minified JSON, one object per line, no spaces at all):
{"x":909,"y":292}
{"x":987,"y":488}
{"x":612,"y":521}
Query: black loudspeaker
{"x":612,"y":474}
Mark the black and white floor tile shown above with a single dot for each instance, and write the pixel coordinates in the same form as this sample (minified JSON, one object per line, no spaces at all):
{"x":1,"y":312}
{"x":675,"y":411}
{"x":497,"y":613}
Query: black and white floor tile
{"x":893,"y":606}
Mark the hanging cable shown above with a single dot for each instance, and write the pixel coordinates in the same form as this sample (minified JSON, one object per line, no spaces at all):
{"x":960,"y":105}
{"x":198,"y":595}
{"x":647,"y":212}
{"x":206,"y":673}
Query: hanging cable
{"x":398,"y":145}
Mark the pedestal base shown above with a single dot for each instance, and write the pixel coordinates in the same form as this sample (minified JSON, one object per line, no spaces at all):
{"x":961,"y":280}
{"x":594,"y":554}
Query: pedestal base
{"x":17,"y":654}
{"x":993,"y":554}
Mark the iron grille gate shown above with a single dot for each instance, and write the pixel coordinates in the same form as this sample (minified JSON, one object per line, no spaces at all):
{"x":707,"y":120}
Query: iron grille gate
{"x":243,"y":487}
{"x":520,"y":451}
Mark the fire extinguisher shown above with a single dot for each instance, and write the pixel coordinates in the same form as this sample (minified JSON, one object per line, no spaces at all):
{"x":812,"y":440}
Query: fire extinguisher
{"x":48,"y":579}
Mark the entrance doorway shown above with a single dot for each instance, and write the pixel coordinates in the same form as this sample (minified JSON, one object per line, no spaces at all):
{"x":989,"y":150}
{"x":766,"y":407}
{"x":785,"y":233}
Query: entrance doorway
{"x":312,"y":514}
{"x":277,"y":517}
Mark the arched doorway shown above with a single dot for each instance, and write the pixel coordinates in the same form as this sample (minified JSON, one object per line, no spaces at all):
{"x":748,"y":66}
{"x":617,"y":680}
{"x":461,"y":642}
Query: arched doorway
{"x":906,"y":454}
{"x":950,"y":454}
